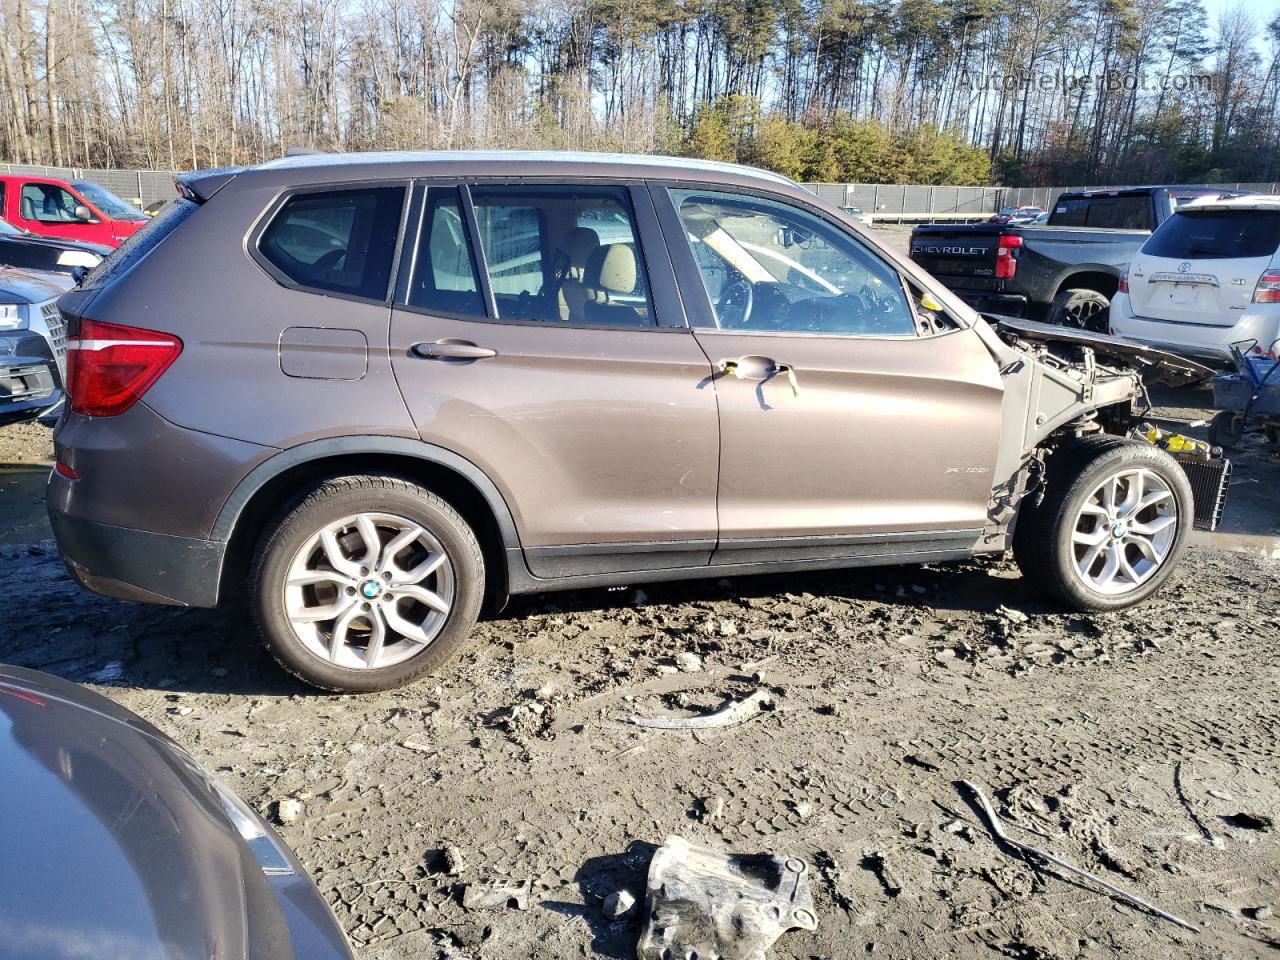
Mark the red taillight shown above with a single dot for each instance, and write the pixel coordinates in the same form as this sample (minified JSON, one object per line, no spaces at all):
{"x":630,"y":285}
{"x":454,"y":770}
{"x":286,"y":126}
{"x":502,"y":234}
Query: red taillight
{"x":1268,"y":288}
{"x":1124,"y":279}
{"x":64,"y":470}
{"x":1006,"y":259}
{"x":109,"y":366}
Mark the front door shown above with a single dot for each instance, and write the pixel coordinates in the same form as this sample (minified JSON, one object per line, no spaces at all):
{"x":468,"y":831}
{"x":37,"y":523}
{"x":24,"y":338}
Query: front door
{"x":50,"y":210}
{"x":532,"y":336}
{"x":847,"y":427}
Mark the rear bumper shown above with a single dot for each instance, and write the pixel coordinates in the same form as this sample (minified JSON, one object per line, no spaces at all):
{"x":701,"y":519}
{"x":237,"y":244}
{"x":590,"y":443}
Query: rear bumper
{"x":139,"y":565}
{"x":1205,"y":342}
{"x":1009,"y":304}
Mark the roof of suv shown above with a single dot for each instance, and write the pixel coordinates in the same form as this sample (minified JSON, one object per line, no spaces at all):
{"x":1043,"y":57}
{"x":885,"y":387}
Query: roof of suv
{"x":1256,"y":201}
{"x":334,"y":167}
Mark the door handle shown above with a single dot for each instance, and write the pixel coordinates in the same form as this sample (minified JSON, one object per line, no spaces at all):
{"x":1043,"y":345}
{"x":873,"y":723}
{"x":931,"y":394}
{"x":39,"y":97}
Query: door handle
{"x":759,"y":369}
{"x":450,"y":349}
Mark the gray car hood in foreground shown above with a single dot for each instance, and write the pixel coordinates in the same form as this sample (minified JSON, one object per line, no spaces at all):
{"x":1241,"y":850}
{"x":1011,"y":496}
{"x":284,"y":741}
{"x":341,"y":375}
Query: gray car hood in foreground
{"x":1158,"y":366}
{"x":116,"y":846}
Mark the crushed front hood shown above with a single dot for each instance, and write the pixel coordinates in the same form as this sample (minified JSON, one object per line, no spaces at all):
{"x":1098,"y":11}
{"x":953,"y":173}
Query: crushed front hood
{"x":1156,"y":366}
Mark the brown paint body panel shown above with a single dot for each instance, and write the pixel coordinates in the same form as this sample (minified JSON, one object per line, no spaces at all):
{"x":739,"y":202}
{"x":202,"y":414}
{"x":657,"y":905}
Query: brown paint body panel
{"x":592,"y":435}
{"x":884,"y":435}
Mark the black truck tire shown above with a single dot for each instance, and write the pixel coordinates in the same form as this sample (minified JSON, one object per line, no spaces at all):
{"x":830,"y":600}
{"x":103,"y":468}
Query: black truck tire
{"x":1081,"y":309}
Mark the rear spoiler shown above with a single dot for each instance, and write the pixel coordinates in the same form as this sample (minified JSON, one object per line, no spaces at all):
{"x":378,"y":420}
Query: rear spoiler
{"x":203,"y":184}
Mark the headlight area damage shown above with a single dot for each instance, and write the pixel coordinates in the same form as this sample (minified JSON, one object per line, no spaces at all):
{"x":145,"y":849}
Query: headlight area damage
{"x":1062,"y":386}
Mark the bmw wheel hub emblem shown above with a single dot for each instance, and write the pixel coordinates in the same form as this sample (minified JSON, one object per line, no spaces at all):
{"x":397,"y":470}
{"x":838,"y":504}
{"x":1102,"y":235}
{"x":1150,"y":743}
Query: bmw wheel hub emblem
{"x":370,"y":589}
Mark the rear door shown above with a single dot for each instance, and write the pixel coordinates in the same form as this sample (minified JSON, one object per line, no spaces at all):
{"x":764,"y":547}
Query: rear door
{"x":536,"y":334}
{"x":1201,"y":266}
{"x":846,"y":428}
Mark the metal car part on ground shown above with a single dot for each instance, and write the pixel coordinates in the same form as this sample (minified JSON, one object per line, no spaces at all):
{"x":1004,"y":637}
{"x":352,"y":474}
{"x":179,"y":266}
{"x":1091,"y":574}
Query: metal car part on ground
{"x":703,"y":903}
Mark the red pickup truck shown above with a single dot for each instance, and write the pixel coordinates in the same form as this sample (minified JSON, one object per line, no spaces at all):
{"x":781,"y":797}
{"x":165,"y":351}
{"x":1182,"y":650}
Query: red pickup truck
{"x":75,"y":210}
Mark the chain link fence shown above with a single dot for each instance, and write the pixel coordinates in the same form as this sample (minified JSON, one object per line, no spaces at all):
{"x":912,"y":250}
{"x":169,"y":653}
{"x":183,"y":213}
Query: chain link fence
{"x":905,"y":203}
{"x":139,"y":187}
{"x":886,"y":202}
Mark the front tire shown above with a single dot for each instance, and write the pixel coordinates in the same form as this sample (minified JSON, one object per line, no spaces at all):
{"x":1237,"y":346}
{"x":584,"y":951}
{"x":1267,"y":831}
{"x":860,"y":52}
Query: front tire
{"x":366,"y":584}
{"x":1112,"y":527}
{"x":1081,"y":310}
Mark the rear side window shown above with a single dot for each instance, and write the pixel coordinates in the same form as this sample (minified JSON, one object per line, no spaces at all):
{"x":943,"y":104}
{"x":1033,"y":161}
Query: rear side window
{"x":563,"y":254}
{"x":130,"y":253}
{"x":336,"y":241}
{"x":1216,"y":235}
{"x":444,"y":273}
{"x":1106,"y":213}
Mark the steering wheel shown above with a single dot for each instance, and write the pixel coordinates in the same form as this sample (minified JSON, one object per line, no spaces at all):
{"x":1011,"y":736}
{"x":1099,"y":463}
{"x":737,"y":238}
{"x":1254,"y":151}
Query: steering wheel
{"x":737,"y":298}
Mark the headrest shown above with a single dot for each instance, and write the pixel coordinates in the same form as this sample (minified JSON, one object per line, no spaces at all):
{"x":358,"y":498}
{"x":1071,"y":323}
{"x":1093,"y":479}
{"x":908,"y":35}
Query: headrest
{"x":613,"y":268}
{"x":580,"y":243}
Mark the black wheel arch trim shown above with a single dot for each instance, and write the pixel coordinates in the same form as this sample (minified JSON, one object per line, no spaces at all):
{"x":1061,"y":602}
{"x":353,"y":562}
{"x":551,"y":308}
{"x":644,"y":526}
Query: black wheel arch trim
{"x":313,"y":450}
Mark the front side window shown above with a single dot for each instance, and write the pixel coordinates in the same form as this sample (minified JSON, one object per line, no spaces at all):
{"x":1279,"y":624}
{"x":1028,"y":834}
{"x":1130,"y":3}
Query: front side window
{"x":768,"y":266}
{"x":47,"y":203}
{"x":341,"y":241}
{"x":563,"y":255}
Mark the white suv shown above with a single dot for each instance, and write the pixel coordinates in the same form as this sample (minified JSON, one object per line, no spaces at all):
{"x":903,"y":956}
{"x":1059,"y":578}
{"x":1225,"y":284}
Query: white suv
{"x":1207,"y":278}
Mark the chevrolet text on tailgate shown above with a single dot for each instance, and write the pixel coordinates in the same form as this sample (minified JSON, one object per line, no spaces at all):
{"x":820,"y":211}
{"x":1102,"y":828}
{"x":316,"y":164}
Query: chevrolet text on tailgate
{"x":1065,"y":272}
{"x":377,"y":393}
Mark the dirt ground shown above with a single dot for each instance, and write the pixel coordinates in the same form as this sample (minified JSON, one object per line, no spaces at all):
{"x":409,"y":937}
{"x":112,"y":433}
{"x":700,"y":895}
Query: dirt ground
{"x":1142,"y":746}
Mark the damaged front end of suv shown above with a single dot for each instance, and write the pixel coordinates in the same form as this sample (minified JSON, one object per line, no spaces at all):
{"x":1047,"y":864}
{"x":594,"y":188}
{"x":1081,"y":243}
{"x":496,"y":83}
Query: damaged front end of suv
{"x":1091,"y":495}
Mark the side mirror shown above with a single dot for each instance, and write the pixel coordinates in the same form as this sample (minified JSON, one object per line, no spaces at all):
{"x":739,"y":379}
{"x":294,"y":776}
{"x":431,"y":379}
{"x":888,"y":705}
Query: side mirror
{"x":81,"y":213}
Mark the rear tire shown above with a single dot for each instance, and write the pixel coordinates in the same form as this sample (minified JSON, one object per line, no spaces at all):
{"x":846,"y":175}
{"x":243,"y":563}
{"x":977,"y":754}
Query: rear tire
{"x":1092,"y":543}
{"x":1226,"y":430}
{"x":1081,"y":310}
{"x":366,"y":584}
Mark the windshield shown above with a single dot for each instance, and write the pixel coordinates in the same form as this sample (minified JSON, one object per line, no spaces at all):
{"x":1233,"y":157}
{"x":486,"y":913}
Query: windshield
{"x":107,"y":202}
{"x":9,"y":230}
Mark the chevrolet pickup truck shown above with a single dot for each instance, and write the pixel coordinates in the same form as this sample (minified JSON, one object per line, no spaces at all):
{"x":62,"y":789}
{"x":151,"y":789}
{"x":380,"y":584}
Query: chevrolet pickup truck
{"x":1064,"y":272}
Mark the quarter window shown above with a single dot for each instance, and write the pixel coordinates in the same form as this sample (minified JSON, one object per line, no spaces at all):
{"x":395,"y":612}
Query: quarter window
{"x":444,"y":275}
{"x":769,"y":266}
{"x":563,"y":255}
{"x":341,"y":241}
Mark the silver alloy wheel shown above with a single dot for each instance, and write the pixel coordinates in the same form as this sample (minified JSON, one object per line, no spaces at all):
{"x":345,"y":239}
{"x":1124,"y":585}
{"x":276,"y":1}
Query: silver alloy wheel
{"x":1125,"y":531}
{"x":369,"y":590}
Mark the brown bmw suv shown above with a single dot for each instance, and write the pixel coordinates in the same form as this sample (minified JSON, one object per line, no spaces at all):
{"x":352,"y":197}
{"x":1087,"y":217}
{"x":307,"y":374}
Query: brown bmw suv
{"x":377,"y":390}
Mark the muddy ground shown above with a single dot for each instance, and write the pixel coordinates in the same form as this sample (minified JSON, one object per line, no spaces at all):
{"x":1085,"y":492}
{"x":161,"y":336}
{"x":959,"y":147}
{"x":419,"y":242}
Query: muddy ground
{"x":1142,"y":746}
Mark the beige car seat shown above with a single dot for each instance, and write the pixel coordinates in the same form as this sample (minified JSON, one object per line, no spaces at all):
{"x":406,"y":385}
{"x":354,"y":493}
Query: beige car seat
{"x":579,"y":245}
{"x":613,"y":271}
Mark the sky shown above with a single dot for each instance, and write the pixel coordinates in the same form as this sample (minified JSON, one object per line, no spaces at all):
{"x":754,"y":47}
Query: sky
{"x":1262,"y":10}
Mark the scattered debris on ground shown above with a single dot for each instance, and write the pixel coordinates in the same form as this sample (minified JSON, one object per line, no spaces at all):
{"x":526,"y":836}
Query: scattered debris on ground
{"x":739,"y":711}
{"x":703,"y":903}
{"x":497,"y":895}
